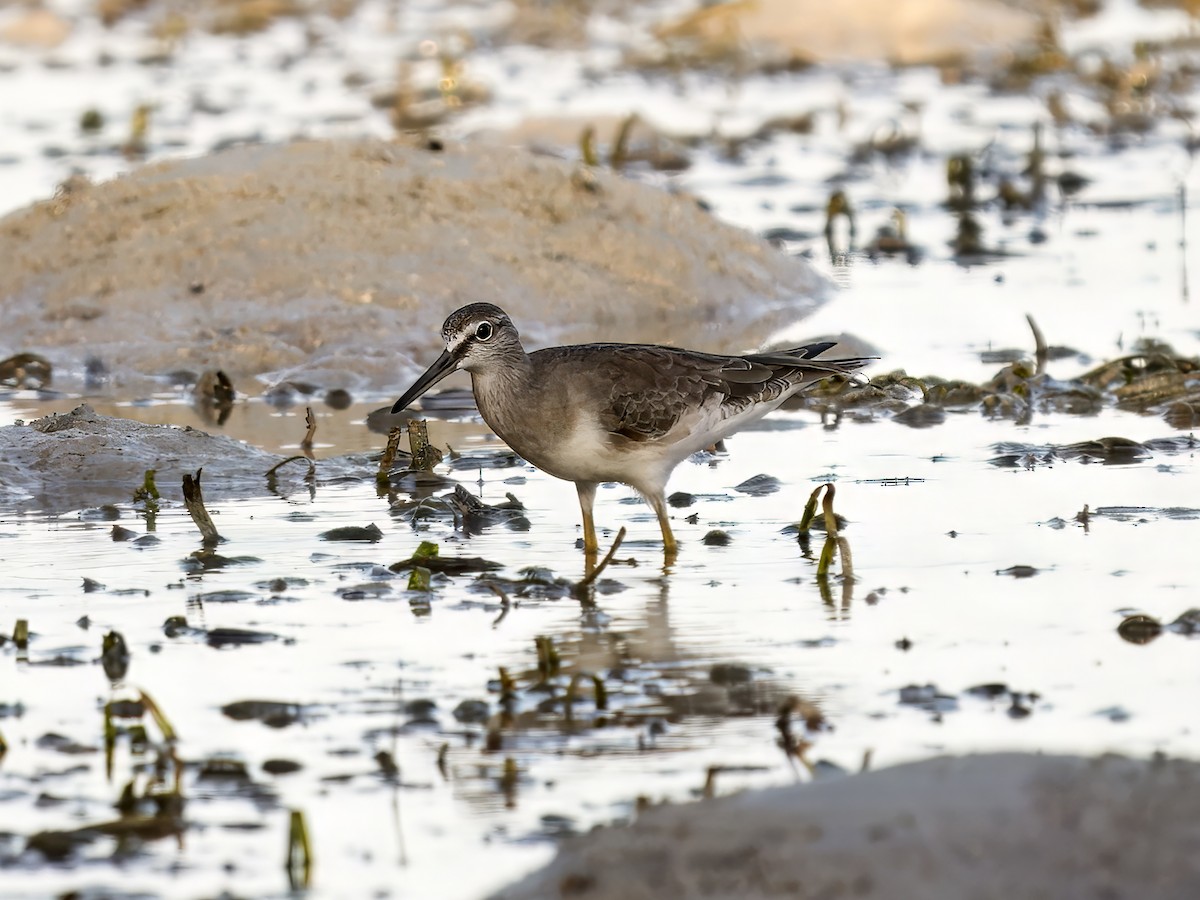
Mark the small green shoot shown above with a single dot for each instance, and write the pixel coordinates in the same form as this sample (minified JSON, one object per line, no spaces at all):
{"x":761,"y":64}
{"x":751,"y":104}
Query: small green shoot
{"x":620,"y":149}
{"x":587,"y":146}
{"x":110,"y":740}
{"x":834,"y":542}
{"x":419,"y":579}
{"x":147,"y":494}
{"x":425,"y":550}
{"x":810,"y":512}
{"x":148,"y":490}
{"x":298,"y":863}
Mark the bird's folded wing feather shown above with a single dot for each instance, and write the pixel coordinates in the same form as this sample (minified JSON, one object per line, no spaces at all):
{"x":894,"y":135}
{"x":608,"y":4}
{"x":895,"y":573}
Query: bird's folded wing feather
{"x":656,"y":389}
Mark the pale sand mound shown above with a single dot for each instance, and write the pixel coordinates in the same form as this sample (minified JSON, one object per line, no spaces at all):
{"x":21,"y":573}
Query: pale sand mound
{"x":903,"y":32}
{"x":336,"y":262}
{"x":1002,"y":826}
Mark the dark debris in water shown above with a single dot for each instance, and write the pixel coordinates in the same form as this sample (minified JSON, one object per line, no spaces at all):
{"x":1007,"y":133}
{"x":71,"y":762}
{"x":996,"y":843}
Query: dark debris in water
{"x":477,"y":515}
{"x":1140,"y":514}
{"x":1139,"y":628}
{"x":208,"y":561}
{"x":923,"y":415}
{"x":928,"y":698}
{"x":365,"y":533}
{"x":282,"y":584}
{"x":1112,"y":451}
{"x":237,"y":637}
{"x":177,"y":627}
{"x":448,"y":565}
{"x":370,"y":590}
{"x":1018,"y":571}
{"x":1020,"y":704}
{"x":1155,"y":382}
{"x":224,"y":596}
{"x":759,"y":485}
{"x":273,"y":713}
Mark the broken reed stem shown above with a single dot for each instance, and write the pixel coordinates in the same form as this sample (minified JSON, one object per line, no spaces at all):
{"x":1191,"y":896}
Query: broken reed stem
{"x":160,"y":718}
{"x":826,"y":558}
{"x":710,"y":782}
{"x":591,"y":577}
{"x":866,"y":760}
{"x":549,"y":663}
{"x":271,"y":472}
{"x":831,"y":535}
{"x":505,"y":602}
{"x":834,"y":542}
{"x":847,"y":559}
{"x":389,"y":456}
{"x":599,"y":691}
{"x":148,"y":495}
{"x":310,"y":420}
{"x":827,"y":509}
{"x":810,"y":511}
{"x":424,"y":455}
{"x":587,"y":147}
{"x":1040,"y":351}
{"x":193,"y":499}
{"x":620,"y":150}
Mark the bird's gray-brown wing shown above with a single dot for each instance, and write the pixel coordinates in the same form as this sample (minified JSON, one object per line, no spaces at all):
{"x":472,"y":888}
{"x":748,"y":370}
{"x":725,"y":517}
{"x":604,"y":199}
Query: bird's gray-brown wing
{"x":643,"y":392}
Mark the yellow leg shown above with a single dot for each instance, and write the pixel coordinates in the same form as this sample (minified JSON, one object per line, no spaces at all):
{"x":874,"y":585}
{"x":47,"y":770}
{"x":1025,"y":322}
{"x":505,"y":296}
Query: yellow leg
{"x":670,"y":547}
{"x":587,"y":496}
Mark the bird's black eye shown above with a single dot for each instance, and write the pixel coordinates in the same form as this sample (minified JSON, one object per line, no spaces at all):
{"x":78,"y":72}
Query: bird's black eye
{"x":484,"y":331}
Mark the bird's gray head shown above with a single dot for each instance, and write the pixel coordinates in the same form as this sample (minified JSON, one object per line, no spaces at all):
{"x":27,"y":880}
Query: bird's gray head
{"x":476,"y":335}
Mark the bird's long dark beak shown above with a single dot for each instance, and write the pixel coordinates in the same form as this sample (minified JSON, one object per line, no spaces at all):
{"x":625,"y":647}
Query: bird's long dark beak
{"x":445,"y":364}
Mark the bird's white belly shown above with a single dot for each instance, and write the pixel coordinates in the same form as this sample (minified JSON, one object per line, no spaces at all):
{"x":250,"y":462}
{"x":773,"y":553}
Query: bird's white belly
{"x":588,"y":453}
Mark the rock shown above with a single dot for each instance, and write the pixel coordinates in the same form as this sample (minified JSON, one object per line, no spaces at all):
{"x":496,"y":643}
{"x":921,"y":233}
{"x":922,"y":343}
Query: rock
{"x":81,"y":459}
{"x":334,"y":263}
{"x":990,"y":827}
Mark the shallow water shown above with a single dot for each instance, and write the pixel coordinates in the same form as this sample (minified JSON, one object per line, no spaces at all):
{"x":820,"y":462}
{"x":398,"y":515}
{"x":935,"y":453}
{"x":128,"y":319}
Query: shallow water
{"x":926,"y":554}
{"x":934,"y":524}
